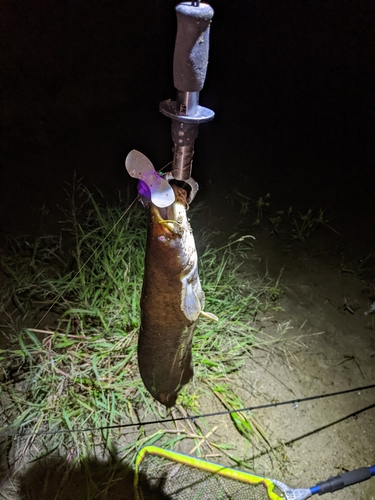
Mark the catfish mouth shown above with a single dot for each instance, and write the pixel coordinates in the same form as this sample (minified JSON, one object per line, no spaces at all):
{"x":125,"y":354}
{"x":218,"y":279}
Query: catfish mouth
{"x":177,"y":211}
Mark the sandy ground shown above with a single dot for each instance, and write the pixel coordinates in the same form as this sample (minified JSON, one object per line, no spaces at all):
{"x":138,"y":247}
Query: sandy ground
{"x":328,"y":346}
{"x":327,"y":309}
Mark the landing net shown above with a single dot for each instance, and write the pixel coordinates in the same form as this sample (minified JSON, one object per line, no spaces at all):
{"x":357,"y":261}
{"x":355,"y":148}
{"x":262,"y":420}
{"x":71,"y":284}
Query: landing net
{"x":166,"y":474}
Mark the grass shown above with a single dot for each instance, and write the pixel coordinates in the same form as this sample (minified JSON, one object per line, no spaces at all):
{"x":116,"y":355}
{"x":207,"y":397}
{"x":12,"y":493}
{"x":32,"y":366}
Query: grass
{"x":298,"y":227}
{"x":71,"y":316}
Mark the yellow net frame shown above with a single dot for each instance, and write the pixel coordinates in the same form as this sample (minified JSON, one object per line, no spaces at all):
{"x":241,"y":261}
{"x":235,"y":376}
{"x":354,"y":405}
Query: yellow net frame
{"x":266,"y":488}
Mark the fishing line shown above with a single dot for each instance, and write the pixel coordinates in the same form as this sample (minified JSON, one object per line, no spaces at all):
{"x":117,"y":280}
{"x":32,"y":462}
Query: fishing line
{"x":293,"y":402}
{"x":86,"y":262}
{"x":354,"y":414}
{"x":91,"y":256}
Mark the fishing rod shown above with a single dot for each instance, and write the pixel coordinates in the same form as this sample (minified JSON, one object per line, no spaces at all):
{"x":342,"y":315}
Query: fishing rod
{"x":294,"y":402}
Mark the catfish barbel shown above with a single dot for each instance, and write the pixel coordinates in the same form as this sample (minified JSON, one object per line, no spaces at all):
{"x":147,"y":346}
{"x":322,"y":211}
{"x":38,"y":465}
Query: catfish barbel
{"x":172,"y":300}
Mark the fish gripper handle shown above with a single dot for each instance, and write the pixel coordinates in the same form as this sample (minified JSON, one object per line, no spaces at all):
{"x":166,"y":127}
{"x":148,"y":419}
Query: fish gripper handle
{"x":189,"y":73}
{"x":192,"y":46}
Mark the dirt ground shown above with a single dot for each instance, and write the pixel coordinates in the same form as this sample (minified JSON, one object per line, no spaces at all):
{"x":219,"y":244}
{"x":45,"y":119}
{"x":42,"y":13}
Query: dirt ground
{"x":327,"y":308}
{"x":328,"y":346}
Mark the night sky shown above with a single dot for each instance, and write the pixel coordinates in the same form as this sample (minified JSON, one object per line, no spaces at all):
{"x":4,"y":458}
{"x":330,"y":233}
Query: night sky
{"x":291,"y":83}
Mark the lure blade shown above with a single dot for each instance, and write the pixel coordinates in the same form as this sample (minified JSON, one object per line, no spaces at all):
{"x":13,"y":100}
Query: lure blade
{"x":158,"y":189}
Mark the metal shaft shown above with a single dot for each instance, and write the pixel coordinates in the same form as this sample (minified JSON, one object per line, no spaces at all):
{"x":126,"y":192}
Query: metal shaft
{"x":189,"y":73}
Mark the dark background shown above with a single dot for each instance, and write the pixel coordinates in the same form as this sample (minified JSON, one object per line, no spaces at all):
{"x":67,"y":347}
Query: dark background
{"x":291,"y":83}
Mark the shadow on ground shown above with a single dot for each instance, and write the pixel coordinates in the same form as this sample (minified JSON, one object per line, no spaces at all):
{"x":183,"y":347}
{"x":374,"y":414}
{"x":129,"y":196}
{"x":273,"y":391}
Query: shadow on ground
{"x":57,"y":479}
